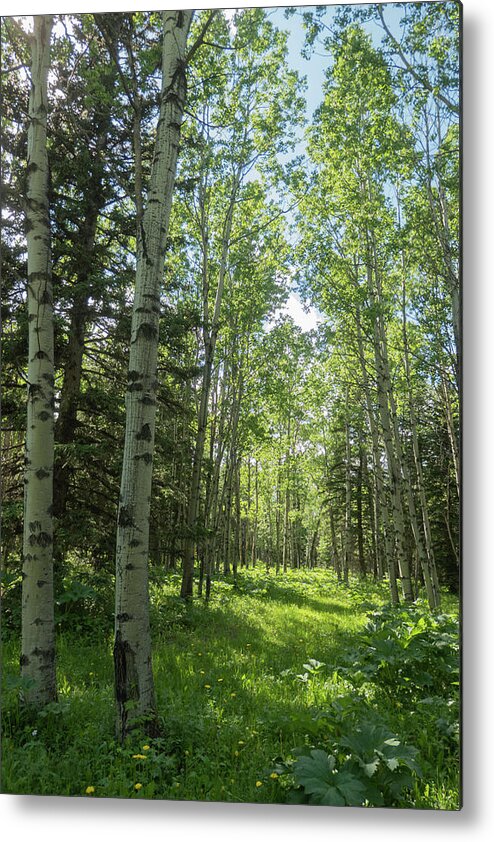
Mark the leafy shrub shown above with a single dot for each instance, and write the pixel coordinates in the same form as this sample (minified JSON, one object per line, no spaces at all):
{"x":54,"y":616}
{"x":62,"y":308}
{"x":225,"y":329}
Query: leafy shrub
{"x":367,"y":767}
{"x":407,"y":651}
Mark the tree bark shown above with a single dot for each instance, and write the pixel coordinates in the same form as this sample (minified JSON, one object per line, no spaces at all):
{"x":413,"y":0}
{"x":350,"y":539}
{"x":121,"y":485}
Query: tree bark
{"x":210,"y":338}
{"x":134,"y":683}
{"x":384,"y":393}
{"x":381,"y":502}
{"x":38,"y":627}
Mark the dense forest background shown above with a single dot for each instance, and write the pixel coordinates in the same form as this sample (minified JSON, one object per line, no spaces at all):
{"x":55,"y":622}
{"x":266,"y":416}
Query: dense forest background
{"x":274,"y":445}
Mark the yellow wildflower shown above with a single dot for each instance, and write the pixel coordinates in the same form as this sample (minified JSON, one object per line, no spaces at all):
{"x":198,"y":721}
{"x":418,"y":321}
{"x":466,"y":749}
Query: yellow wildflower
{"x":146,"y":748}
{"x":202,"y":672}
{"x":139,"y":756}
{"x":232,"y":695}
{"x":137,"y":787}
{"x":207,"y":686}
{"x":89,"y":790}
{"x":274,"y":775}
{"x":258,"y":784}
{"x":235,"y":753}
{"x":241,"y":742}
{"x":220,"y":679}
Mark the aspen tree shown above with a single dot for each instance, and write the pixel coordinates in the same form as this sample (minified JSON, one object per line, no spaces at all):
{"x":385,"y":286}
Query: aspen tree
{"x":134,"y":685}
{"x":38,"y":628}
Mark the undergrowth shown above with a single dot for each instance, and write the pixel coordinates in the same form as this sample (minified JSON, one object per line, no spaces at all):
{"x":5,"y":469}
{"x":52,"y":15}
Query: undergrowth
{"x":287,"y":688}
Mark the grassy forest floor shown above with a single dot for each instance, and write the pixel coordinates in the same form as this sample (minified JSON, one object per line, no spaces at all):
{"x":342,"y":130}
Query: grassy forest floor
{"x":284,"y":688}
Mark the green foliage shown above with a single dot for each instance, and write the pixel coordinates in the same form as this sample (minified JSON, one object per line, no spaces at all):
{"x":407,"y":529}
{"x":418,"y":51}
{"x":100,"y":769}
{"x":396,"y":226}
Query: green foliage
{"x":368,"y":767}
{"x":407,"y":650}
{"x":229,"y":700}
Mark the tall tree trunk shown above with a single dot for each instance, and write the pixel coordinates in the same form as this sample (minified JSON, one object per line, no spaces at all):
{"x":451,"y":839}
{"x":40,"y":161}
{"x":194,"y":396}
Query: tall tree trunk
{"x":451,"y":426}
{"x":348,"y":540}
{"x":384,"y":392}
{"x":38,"y":628}
{"x":425,"y":553}
{"x":381,"y":501}
{"x":210,"y":338}
{"x":134,"y":684}
{"x":256,"y":514}
{"x":360,"y":524}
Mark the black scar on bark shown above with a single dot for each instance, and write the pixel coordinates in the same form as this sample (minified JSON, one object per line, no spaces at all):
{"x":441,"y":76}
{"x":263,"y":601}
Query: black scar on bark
{"x":147,"y":458}
{"x":124,"y":617}
{"x":144,"y":434}
{"x":44,"y":415}
{"x":41,"y":473}
{"x":43,"y":539}
{"x":124,"y":517}
{"x":24,"y":660}
{"x":46,"y":298}
{"x":147,"y":330}
{"x":134,"y":543}
{"x":47,"y":655}
{"x":126,"y":679}
{"x":134,"y":375}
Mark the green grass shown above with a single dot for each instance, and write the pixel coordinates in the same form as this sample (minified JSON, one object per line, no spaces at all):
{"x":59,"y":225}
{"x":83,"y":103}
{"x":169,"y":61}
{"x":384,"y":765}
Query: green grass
{"x":232,"y":693}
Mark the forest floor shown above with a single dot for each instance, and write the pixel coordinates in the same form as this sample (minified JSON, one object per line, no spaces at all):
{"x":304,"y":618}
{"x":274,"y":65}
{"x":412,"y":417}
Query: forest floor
{"x":284,"y":688}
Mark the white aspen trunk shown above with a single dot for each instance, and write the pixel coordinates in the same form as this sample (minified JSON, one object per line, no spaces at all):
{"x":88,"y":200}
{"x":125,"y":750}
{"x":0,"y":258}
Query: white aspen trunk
{"x":389,"y":549}
{"x":450,"y":422}
{"x":134,"y":684}
{"x":256,"y":516}
{"x":38,"y":628}
{"x":348,"y":544}
{"x":394,"y":467}
{"x":186,"y":590}
{"x":334,"y":545}
{"x":426,"y":554}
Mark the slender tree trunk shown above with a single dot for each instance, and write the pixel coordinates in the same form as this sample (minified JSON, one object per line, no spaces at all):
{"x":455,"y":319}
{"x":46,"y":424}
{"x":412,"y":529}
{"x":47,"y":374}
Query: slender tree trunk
{"x":256,"y":514}
{"x":38,"y":628}
{"x":450,"y":423}
{"x":348,"y":542}
{"x":210,"y":345}
{"x":425,"y":554}
{"x":134,"y":683}
{"x":360,"y":525}
{"x":334,"y":545}
{"x":381,"y":501}
{"x":394,"y":467}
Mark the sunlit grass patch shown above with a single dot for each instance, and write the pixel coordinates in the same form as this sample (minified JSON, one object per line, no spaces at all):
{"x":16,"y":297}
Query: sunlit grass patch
{"x":239,"y":683}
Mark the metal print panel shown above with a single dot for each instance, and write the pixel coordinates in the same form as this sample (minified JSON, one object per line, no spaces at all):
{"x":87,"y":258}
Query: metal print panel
{"x":231,"y":405}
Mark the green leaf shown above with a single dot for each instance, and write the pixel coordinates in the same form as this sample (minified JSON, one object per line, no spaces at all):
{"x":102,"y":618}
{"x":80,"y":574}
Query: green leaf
{"x":352,"y":789}
{"x":325,"y":785}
